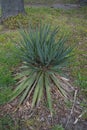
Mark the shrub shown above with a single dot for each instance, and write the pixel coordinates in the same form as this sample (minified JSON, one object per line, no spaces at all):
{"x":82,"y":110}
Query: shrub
{"x":44,"y":59}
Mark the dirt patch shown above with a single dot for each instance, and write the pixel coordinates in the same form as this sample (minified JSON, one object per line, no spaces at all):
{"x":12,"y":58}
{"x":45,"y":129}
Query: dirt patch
{"x":66,"y":6}
{"x":56,"y":6}
{"x":40,"y":119}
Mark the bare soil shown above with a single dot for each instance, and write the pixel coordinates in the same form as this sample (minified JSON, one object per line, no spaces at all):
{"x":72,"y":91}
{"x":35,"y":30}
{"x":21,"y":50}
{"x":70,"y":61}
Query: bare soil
{"x":39,"y":118}
{"x":57,"y":5}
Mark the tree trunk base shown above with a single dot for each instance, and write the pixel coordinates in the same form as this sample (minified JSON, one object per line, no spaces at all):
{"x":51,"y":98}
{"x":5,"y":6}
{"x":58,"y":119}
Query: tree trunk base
{"x":11,"y":8}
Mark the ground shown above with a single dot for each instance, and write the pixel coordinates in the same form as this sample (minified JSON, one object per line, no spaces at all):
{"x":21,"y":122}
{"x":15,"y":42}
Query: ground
{"x":72,"y":21}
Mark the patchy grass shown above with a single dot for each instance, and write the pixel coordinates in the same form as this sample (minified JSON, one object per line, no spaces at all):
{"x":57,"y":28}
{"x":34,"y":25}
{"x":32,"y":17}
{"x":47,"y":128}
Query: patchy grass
{"x":58,"y":127}
{"x":7,"y":123}
{"x":70,"y":21}
{"x":73,"y":22}
{"x":8,"y":60}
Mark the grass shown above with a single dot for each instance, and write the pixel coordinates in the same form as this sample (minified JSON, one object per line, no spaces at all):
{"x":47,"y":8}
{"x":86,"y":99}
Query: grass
{"x":72,"y":21}
{"x":8,"y":59}
{"x":58,"y":127}
{"x":7,"y":123}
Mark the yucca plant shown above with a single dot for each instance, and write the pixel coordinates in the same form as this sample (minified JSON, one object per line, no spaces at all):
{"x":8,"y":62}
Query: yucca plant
{"x":44,"y":59}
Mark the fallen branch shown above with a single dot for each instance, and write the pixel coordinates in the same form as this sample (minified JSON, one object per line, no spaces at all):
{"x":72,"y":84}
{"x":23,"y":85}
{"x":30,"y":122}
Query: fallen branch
{"x":75,"y":95}
{"x":79,"y":117}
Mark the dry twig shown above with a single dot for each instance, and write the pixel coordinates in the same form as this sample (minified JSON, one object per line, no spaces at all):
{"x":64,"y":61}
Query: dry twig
{"x":75,"y":95}
{"x":77,"y":119}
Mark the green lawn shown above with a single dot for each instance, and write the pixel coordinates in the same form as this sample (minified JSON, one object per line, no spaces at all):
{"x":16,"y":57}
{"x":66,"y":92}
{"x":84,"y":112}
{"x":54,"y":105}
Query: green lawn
{"x":73,"y":22}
